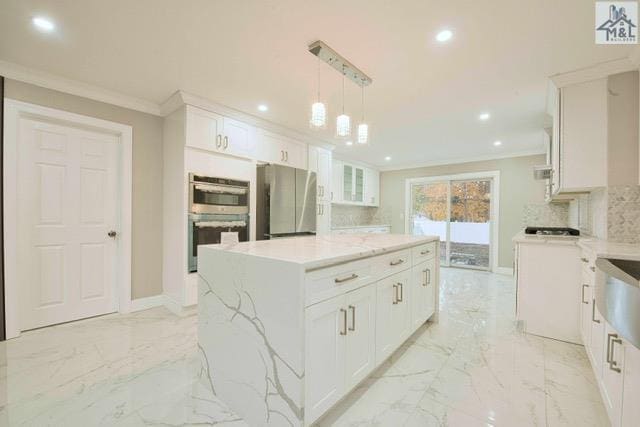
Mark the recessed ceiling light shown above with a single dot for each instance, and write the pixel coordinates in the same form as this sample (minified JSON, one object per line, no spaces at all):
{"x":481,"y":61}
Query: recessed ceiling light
{"x":387,"y":158}
{"x":497,"y":143}
{"x":484,"y":116}
{"x":263,"y":108}
{"x":444,"y":35}
{"x":43,"y":24}
{"x":349,"y":142}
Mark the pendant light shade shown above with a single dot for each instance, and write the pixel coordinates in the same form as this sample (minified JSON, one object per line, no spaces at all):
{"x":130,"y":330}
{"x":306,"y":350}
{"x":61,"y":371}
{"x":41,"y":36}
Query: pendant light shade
{"x":318,"y":116}
{"x":343,"y":126}
{"x":363,"y":128}
{"x":318,"y":110}
{"x":363,"y":133}
{"x":343,"y":122}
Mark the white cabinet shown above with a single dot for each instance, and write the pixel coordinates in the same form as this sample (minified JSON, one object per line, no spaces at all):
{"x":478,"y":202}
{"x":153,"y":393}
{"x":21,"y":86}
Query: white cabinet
{"x":371,"y":187}
{"x":352,"y":183}
{"x":393,"y":323}
{"x":325,"y":355}
{"x":583,"y":140}
{"x":612,"y":374}
{"x":278,"y":149}
{"x":203,"y":129}
{"x":355,"y":185}
{"x":212,"y":132}
{"x":361,"y":339}
{"x":422,"y":292}
{"x":320,"y":163}
{"x":631,"y":388}
{"x":340,"y":347}
{"x":337,"y":170}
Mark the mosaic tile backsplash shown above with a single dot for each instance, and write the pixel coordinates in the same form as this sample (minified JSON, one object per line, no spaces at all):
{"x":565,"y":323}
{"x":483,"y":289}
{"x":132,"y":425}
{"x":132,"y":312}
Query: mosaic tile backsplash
{"x":623,"y":214}
{"x":345,"y":216}
{"x":546,"y":215}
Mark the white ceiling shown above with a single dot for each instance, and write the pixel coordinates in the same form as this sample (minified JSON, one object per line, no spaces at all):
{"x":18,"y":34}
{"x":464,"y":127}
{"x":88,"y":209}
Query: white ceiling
{"x":425,"y":97}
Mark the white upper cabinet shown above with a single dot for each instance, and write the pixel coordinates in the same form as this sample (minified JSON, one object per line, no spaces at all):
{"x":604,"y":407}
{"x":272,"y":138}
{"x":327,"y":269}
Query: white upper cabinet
{"x":582,"y":147}
{"x":204,"y":129}
{"x":278,"y":149}
{"x":355,"y":185}
{"x":371,"y":187}
{"x":237,"y":138}
{"x":213,"y":132}
{"x":320,"y":163}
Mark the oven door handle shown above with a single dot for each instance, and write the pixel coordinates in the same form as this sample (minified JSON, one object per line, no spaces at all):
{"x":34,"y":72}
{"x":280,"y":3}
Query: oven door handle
{"x":222,"y":189}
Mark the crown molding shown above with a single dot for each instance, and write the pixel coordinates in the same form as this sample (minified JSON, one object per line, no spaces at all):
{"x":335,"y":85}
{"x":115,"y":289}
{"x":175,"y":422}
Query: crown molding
{"x":180,"y":98}
{"x":482,"y":158}
{"x":46,"y":80}
{"x":597,"y":71}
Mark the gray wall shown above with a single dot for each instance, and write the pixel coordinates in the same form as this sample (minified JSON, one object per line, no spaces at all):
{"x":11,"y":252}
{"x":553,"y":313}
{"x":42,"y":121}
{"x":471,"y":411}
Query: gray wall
{"x":146,"y":260}
{"x":517,"y":188}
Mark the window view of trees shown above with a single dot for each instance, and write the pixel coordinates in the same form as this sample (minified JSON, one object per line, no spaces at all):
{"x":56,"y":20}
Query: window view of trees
{"x":470,"y":201}
{"x":469,"y":227}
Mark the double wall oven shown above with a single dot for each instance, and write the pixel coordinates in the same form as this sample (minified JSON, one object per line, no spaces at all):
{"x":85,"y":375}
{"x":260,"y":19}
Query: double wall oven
{"x":216,"y":206}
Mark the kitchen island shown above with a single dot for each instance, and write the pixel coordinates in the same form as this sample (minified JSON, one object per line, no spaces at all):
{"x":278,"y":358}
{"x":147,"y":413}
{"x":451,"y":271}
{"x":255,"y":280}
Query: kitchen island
{"x":288,"y":327}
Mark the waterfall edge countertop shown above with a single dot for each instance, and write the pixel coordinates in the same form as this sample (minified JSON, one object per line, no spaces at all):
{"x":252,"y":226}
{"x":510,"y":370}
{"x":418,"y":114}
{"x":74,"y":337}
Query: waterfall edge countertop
{"x":314,"y":252}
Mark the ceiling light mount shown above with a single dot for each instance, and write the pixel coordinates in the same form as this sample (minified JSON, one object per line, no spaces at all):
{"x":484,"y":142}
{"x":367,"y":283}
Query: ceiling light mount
{"x":340,"y":63}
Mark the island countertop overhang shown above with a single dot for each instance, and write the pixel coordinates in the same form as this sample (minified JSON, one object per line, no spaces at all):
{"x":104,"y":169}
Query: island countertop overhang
{"x":314,"y":252}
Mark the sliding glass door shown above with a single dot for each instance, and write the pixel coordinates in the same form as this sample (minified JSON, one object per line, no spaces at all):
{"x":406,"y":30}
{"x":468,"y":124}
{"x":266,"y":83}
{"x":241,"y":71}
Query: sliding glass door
{"x":459,"y":212}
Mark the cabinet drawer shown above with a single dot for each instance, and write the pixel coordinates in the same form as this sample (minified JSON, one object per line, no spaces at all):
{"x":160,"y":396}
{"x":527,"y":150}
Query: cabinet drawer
{"x":391,"y":263}
{"x":332,"y":281}
{"x":423,"y":252}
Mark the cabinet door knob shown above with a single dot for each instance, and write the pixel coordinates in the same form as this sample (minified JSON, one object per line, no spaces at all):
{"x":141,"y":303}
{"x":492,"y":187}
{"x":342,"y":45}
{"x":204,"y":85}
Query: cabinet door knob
{"x":226,"y":142}
{"x":218,"y":141}
{"x":395,"y":294}
{"x":583,"y":301}
{"x":399,"y":288}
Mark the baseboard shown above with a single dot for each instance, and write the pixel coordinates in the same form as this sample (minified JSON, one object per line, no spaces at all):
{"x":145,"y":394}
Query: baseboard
{"x":147,"y":303}
{"x":177,"y":308}
{"x":504,"y":270}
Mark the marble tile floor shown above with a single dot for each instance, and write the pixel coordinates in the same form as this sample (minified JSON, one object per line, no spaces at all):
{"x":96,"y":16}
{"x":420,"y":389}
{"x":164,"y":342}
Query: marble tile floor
{"x":472,"y":368}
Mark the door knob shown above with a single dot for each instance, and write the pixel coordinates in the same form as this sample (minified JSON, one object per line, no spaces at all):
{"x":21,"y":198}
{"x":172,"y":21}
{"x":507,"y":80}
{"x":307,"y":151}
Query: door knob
{"x":112,"y":234}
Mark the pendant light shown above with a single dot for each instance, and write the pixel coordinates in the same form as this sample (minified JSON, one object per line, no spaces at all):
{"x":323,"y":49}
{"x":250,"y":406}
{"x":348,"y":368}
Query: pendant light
{"x":318,"y":109}
{"x":343,"y":122}
{"x":363,"y":128}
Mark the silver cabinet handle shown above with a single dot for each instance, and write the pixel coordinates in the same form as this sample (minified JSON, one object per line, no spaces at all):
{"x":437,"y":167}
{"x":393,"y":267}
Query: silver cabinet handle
{"x":344,"y":321}
{"x":399,"y":288}
{"x":425,"y":277}
{"x":611,"y":340}
{"x":592,"y":269}
{"x":282,"y":155}
{"x":346,"y":279}
{"x":112,"y":234}
{"x":353,"y":318}
{"x":226,"y":142}
{"x":428,"y":276}
{"x":398,"y":262}
{"x":426,"y":251}
{"x":395,"y":294}
{"x":218,"y":141}
{"x":583,"y":301}
{"x":286,"y":156}
{"x":593,"y":312}
{"x":585,"y":260}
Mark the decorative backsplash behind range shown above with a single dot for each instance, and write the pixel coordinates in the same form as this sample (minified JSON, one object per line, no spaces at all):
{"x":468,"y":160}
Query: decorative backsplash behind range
{"x":346,"y":215}
{"x":616,"y":213}
{"x":546,"y":215}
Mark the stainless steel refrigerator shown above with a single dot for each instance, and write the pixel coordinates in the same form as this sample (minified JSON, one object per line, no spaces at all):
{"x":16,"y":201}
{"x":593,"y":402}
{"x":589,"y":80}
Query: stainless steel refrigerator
{"x":285,"y":202}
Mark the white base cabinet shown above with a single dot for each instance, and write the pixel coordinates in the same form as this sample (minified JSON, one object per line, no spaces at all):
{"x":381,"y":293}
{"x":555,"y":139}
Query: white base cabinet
{"x":615,"y":361}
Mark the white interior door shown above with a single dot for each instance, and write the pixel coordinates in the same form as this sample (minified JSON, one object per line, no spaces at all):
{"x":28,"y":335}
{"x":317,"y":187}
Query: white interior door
{"x":67,"y":205}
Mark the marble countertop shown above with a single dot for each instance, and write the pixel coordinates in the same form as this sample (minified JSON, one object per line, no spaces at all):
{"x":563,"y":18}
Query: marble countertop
{"x":349,"y":227}
{"x":601,"y":248}
{"x":605,"y":249}
{"x":315,"y":252}
{"x":521,"y":237}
